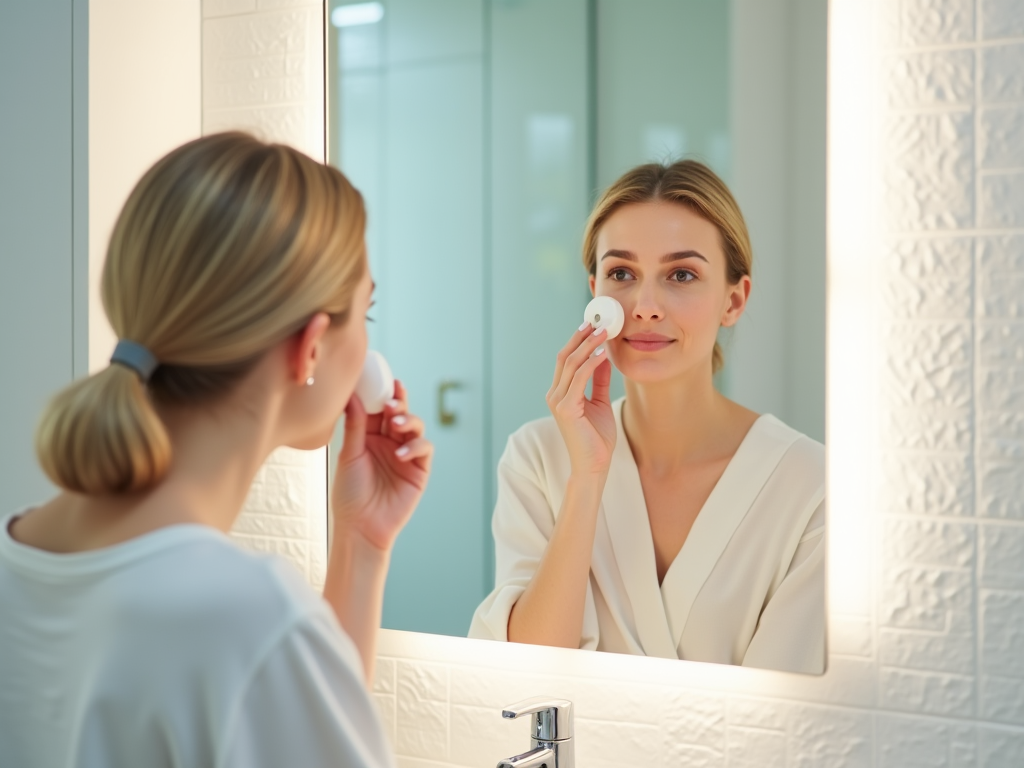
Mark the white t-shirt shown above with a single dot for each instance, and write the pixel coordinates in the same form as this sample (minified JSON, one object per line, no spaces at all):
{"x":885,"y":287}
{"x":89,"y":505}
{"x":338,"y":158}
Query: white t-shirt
{"x":179,"y":649}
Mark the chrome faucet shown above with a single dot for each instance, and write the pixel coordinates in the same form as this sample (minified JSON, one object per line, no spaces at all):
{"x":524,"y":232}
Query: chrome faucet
{"x":550,"y":734}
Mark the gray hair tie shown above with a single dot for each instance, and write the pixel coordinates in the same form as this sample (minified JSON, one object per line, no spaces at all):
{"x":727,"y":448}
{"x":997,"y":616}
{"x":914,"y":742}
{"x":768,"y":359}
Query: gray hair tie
{"x":136,"y":357}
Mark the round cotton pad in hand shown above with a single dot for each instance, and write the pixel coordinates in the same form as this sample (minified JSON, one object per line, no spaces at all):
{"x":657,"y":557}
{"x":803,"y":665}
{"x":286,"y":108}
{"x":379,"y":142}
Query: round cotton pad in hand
{"x":376,"y":383}
{"x":605,"y":312}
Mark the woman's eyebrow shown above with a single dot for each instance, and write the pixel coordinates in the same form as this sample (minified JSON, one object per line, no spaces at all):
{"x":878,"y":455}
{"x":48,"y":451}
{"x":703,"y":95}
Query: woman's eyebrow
{"x":680,"y":255}
{"x":615,"y":253}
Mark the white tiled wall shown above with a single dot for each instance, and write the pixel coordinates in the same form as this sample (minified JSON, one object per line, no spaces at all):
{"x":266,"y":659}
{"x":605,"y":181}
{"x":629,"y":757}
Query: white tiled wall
{"x":263,"y":71}
{"x":927,"y":558}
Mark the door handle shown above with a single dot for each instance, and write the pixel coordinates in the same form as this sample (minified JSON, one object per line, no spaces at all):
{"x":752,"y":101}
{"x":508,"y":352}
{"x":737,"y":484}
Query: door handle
{"x":446,"y":417}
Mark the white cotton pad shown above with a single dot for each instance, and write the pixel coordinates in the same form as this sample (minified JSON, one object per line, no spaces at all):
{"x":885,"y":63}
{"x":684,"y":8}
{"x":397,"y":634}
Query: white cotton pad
{"x":376,"y":383}
{"x":605,"y":312}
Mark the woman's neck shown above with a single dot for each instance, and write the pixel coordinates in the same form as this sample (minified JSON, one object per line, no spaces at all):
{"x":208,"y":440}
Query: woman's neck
{"x":216,"y":455}
{"x":670,"y":424}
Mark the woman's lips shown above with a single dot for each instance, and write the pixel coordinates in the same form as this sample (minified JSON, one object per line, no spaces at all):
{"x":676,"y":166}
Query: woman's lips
{"x":648,"y":342}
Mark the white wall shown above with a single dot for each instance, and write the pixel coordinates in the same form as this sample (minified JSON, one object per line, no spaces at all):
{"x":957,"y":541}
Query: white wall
{"x":144,"y":99}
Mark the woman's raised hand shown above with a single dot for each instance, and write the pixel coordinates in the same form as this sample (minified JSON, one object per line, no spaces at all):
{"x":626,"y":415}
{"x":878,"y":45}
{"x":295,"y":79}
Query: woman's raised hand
{"x":587,"y":425}
{"x":382,"y":471}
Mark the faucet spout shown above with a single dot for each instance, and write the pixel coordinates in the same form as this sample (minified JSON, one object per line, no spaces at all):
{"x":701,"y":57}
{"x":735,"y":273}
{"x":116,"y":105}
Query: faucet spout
{"x":541,"y":757}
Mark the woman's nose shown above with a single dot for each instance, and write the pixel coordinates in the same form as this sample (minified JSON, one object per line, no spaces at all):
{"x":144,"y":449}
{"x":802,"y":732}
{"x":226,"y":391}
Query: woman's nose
{"x":647,"y":306}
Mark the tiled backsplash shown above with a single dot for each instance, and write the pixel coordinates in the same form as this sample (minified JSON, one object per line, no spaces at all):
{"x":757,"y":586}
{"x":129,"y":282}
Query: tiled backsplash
{"x":929,"y":670}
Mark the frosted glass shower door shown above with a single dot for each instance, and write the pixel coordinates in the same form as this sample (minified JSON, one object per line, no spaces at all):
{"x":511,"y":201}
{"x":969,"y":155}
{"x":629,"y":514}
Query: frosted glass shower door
{"x":410,"y":135}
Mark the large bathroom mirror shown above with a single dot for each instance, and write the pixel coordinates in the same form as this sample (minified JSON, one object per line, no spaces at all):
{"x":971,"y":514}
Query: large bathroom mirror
{"x":481,"y":133}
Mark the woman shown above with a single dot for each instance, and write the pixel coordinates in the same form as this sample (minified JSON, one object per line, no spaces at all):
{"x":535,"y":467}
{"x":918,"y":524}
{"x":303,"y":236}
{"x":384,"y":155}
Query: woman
{"x":673,"y":523}
{"x":134,"y":632}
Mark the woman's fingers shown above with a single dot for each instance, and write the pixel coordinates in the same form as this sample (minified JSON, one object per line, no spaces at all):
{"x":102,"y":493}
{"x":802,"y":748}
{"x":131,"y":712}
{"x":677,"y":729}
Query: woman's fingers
{"x":403,"y":426}
{"x":577,"y":390}
{"x":571,"y":346}
{"x":577,"y":359}
{"x":601,"y":392}
{"x":419,"y":450}
{"x":355,"y":430}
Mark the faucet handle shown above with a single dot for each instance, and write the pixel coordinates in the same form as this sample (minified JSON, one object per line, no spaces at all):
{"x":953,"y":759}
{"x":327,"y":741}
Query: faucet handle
{"x":552,"y":717}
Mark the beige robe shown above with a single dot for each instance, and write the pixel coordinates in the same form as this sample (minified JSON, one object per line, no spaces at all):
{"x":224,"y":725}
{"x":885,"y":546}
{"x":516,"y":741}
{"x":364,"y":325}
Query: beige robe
{"x":747,"y":587}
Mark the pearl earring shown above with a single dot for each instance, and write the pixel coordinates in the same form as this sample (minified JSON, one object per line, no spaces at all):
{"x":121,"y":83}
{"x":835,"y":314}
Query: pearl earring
{"x":309,"y":382}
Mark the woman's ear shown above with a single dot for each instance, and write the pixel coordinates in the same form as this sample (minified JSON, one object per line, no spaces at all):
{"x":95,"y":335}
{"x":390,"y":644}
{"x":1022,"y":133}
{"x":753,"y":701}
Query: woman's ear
{"x":306,"y":351}
{"x":593,"y":285}
{"x":736,"y":301}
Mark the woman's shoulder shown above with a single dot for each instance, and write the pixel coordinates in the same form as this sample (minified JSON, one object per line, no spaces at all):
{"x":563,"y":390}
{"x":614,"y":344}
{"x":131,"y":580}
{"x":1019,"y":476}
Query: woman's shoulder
{"x":210,"y":587}
{"x":800,"y":452}
{"x":534,"y":440}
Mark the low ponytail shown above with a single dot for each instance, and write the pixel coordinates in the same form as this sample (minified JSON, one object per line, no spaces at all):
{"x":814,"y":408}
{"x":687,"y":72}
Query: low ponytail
{"x":102,"y":435}
{"x":226,"y":246}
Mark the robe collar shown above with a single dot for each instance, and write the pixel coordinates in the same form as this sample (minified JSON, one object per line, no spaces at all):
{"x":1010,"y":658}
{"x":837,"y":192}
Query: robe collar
{"x":661,"y":612}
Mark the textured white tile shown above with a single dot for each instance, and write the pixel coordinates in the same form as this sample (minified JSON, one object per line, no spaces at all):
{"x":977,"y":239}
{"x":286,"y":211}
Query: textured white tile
{"x":928,"y":364}
{"x":930,"y":278}
{"x":930,"y":79}
{"x":929,"y":650}
{"x":1003,"y":295}
{"x":929,"y":171}
{"x":927,"y":599}
{"x":1001,"y":389}
{"x":757,"y":713}
{"x":926,"y":22}
{"x":998,"y":256}
{"x":1002,"y":73}
{"x":480,"y":736}
{"x":905,"y":742}
{"x":820,"y":736}
{"x":1002,"y":699}
{"x":422,"y":710}
{"x":1000,"y":747}
{"x":697,"y":719}
{"x":605,"y":744}
{"x":1001,"y":436}
{"x":385,"y":675}
{"x":929,"y":429}
{"x":1002,"y":633}
{"x":963,"y":746}
{"x":386,"y":704}
{"x":1001,"y":490}
{"x":1001,"y":344}
{"x":929,"y":542}
{"x":928,"y":484}
{"x":1001,"y":141}
{"x":754,"y":748}
{"x":927,"y":693}
{"x":1002,"y":200}
{"x":1001,"y":18}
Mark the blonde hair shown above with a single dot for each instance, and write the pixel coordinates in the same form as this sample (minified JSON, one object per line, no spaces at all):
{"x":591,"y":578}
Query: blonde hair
{"x":688,"y":183}
{"x":225,"y":247}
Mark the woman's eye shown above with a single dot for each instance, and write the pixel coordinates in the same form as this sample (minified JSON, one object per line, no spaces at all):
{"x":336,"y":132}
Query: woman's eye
{"x":619,"y":275}
{"x":683,"y":276}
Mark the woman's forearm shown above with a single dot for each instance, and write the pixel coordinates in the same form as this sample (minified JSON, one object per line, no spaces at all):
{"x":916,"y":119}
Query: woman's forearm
{"x":550,"y":611}
{"x":356,"y":573}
